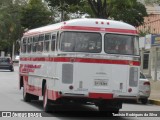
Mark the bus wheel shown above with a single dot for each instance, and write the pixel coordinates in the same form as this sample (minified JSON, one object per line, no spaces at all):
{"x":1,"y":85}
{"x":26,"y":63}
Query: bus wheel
{"x":144,"y":101}
{"x":46,"y":105}
{"x":26,"y":96}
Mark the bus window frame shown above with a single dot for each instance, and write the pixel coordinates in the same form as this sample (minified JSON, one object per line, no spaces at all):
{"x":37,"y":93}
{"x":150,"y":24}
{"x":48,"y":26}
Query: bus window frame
{"x":30,"y":42}
{"x":55,"y":41}
{"x":120,"y":53}
{"x":47,"y":41}
{"x":41,"y":43}
{"x":60,"y":41}
{"x":24,"y":42}
{"x":35,"y":41}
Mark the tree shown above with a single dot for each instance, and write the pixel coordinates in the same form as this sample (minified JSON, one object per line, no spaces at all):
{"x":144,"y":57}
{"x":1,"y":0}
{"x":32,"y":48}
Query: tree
{"x":67,"y":7}
{"x":35,"y":14}
{"x":99,"y":8}
{"x":132,"y":12}
{"x":129,"y":11}
{"x":10,"y":26}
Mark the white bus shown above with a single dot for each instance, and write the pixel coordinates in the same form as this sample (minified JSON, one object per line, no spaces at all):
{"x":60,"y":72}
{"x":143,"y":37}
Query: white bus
{"x":87,"y":61}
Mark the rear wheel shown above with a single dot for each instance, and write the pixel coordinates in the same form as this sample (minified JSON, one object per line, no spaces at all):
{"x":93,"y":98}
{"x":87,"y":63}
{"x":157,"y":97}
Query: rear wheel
{"x":144,"y":101}
{"x":46,"y":104}
{"x":28,"y":97}
{"x":110,"y":107}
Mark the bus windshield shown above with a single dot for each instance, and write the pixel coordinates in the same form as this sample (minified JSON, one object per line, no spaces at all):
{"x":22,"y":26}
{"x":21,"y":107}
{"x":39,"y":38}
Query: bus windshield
{"x":81,"y":42}
{"x":121,"y":44}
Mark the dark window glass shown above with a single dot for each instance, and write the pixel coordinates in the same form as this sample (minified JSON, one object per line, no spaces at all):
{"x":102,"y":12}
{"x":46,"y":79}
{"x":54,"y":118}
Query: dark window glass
{"x":142,"y":76}
{"x":53,"y":42}
{"x":47,"y":41}
{"x":41,"y":38}
{"x":24,"y":45}
{"x":4,"y":60}
{"x":81,"y":42}
{"x":29,"y":45}
{"x":121,"y":44}
{"x":47,"y":36}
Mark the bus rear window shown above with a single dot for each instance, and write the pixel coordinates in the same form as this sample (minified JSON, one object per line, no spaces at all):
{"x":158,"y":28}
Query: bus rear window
{"x":81,"y":42}
{"x":121,"y":44}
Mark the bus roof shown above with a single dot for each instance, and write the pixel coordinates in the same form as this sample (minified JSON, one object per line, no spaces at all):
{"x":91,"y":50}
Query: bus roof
{"x":85,"y":24}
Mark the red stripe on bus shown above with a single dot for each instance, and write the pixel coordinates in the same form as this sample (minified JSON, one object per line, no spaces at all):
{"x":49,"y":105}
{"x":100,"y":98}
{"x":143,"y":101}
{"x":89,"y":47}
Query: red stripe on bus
{"x":52,"y":95}
{"x":83,"y":60}
{"x":101,"y":95}
{"x":100,"y":29}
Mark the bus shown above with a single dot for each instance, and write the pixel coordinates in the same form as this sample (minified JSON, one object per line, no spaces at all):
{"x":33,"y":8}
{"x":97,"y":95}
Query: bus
{"x":83,"y":61}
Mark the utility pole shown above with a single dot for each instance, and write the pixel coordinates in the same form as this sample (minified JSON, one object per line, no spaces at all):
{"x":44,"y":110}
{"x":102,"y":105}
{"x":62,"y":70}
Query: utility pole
{"x":62,"y":11}
{"x":13,"y":48}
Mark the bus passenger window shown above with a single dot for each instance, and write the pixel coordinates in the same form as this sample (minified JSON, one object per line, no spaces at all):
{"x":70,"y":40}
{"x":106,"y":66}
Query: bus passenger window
{"x":33,"y":47}
{"x":24,"y":45}
{"x":35,"y":43}
{"x":68,"y":41}
{"x":29,"y":46}
{"x":40,"y":43}
{"x":53,"y":42}
{"x":46,"y":42}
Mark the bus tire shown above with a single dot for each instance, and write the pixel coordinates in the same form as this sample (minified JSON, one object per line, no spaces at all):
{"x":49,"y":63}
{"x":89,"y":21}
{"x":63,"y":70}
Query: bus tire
{"x":144,"y":100}
{"x":26,"y":96}
{"x":46,"y":104}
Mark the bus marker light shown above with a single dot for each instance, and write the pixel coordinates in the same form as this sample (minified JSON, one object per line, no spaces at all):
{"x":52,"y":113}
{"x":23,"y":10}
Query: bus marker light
{"x":71,"y":87}
{"x":130,"y":90}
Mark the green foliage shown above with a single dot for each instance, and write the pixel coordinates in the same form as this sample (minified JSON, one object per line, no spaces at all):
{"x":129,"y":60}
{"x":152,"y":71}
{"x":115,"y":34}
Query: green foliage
{"x":35,"y":14}
{"x":67,"y":7}
{"x":10,"y":27}
{"x":129,"y":11}
{"x":144,"y":33}
{"x":4,"y":45}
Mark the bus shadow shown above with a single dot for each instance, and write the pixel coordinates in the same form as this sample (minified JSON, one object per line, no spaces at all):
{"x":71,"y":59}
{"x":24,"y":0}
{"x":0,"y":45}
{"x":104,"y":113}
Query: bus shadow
{"x":73,"y":111}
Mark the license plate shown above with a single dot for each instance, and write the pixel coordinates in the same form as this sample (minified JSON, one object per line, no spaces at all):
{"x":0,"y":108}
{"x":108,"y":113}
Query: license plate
{"x":100,"y":83}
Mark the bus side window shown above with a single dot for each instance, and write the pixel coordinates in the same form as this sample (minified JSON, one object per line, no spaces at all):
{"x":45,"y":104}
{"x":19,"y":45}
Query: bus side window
{"x":35,"y":44}
{"x":46,"y":41}
{"x":53,"y":42}
{"x":29,"y":46}
{"x":36,"y":41}
{"x":24,"y":45}
{"x":41,"y":43}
